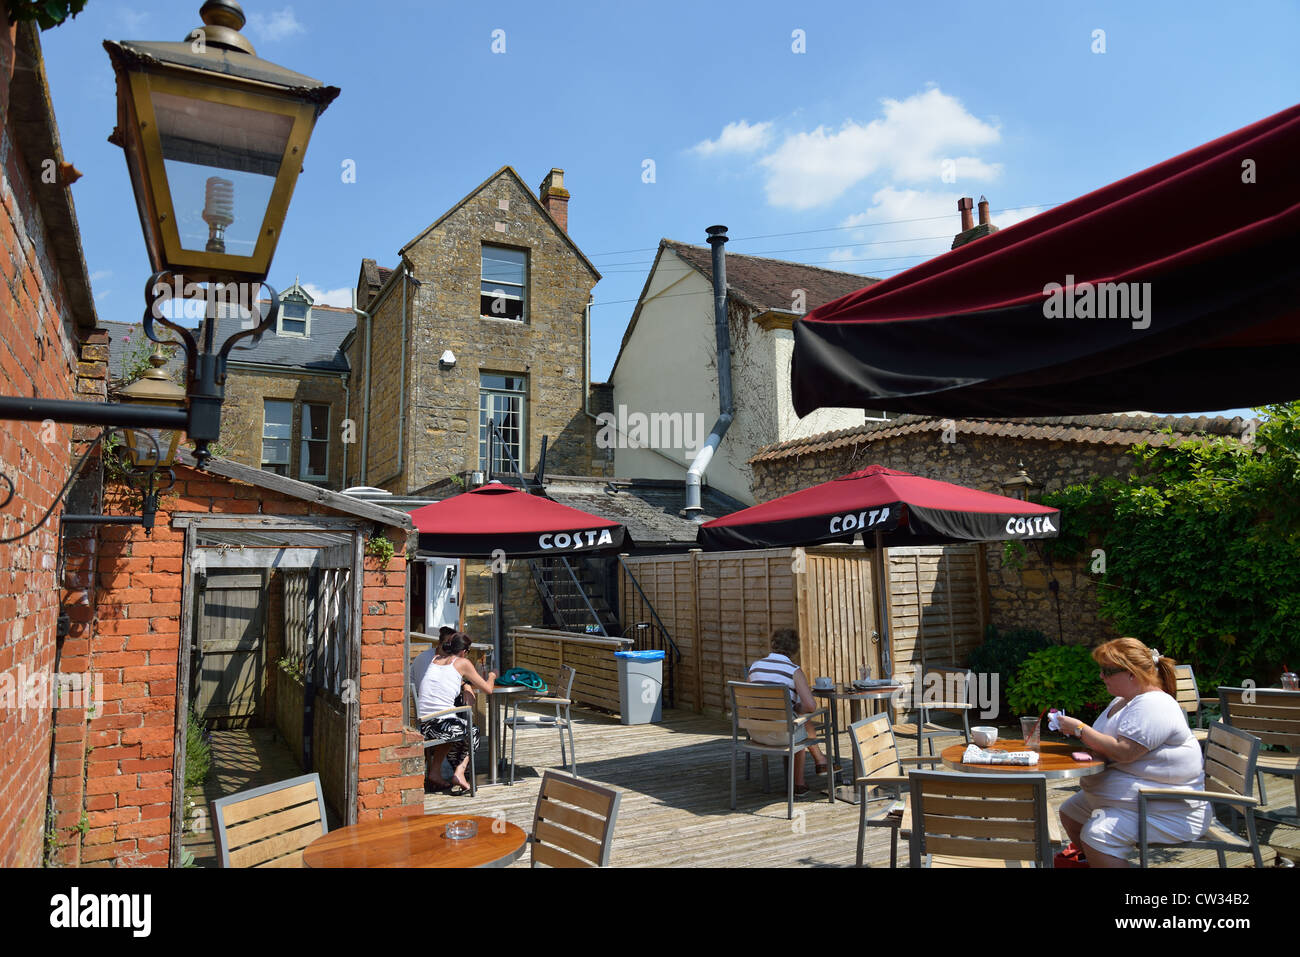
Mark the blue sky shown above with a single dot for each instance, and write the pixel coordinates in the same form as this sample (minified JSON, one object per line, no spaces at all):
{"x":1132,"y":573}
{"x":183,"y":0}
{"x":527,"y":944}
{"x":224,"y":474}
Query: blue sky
{"x":811,"y":156}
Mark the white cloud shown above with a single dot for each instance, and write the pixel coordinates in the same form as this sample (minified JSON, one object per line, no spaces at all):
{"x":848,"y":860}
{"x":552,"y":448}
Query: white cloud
{"x":329,"y":297}
{"x":99,"y":274}
{"x":738,"y":137}
{"x":275,"y":26}
{"x":909,"y":142}
{"x":132,"y":22}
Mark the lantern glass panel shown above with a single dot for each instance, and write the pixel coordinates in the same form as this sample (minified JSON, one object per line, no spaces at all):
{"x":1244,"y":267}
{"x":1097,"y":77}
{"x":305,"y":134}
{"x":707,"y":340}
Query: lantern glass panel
{"x":221,"y":163}
{"x":142,"y":450}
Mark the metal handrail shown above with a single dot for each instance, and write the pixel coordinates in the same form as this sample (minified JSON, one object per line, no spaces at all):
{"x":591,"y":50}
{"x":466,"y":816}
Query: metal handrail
{"x":547,"y":592}
{"x":585,"y":600}
{"x":659,"y":621}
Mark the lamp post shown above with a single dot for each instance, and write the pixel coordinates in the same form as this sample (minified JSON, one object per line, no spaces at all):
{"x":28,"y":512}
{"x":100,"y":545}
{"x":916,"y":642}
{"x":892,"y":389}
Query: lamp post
{"x":1019,"y":484}
{"x":214,"y":139}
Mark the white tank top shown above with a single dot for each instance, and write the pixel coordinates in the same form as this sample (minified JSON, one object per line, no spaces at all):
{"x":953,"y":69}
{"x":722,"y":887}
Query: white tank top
{"x":439,"y":688}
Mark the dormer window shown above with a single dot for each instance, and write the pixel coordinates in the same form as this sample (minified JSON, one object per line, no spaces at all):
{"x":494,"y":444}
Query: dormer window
{"x":293,"y":318}
{"x":295,"y":312}
{"x":505,"y":280}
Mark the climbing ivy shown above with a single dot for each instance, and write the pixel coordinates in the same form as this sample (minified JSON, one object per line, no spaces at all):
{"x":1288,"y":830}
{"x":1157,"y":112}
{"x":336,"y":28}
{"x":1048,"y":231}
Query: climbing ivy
{"x":1201,"y":548}
{"x":47,"y":13}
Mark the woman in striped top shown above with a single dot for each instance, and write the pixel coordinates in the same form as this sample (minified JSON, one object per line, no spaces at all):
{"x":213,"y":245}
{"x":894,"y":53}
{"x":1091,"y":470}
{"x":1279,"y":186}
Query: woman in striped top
{"x":779,"y":668}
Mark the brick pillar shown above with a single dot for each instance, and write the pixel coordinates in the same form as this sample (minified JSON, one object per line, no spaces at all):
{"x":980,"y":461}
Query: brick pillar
{"x":390,"y":768}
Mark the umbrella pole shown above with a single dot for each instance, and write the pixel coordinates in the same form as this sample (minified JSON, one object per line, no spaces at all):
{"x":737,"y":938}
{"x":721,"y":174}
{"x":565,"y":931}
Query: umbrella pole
{"x":498,"y":632}
{"x":882,"y":604}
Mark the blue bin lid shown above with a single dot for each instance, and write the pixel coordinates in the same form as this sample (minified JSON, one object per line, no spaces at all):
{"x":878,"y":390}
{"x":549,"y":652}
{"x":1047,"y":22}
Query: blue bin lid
{"x":641,"y":655}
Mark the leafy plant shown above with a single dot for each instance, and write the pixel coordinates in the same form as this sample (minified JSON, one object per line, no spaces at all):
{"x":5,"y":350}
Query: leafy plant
{"x":1200,"y":549}
{"x":1003,"y":652}
{"x":1062,"y":676}
{"x":380,"y":547}
{"x":198,"y":751}
{"x":47,"y":13}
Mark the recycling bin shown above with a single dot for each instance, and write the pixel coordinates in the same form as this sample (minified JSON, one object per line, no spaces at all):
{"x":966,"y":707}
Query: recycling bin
{"x":640,"y":686}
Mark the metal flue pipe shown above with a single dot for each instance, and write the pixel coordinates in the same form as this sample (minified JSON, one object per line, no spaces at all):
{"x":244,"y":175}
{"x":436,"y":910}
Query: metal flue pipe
{"x":726,"y":409}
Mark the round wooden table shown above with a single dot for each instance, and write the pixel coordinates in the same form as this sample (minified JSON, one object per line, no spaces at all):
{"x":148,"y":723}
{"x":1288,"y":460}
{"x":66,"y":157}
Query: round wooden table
{"x":1054,"y":760}
{"x":417,"y":841}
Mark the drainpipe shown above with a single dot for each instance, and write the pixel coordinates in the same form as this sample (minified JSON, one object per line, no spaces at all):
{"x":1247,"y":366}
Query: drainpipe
{"x":365,"y":407}
{"x":347,"y":410}
{"x":726,"y":410}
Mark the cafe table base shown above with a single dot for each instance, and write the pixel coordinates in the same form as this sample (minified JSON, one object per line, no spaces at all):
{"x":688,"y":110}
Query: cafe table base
{"x":418,"y":840}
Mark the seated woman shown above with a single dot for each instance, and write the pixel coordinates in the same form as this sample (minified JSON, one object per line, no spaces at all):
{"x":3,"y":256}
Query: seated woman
{"x":441,"y":688}
{"x":1144,"y":736}
{"x":779,"y":668}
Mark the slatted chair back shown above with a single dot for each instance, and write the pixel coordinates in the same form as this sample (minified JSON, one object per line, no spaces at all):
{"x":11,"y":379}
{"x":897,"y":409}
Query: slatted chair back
{"x":1271,"y":715}
{"x":979,"y":816}
{"x":1187,"y":695}
{"x":269,"y":826}
{"x":758,"y":708}
{"x":564,"y":676}
{"x":1230,"y":757}
{"x":574,"y":822}
{"x":874,"y":748}
{"x":419,"y":666}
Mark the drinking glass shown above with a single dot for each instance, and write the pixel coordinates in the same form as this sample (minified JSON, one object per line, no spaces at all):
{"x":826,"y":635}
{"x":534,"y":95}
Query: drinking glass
{"x":1031,"y":731}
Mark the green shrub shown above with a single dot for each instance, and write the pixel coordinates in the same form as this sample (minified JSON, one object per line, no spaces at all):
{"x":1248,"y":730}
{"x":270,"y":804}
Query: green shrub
{"x":1002,"y":653}
{"x":1064,"y":676}
{"x":198,"y":752}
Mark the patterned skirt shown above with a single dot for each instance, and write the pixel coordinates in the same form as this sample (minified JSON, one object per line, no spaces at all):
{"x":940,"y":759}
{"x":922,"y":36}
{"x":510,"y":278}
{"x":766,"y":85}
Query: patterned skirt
{"x":451,"y":729}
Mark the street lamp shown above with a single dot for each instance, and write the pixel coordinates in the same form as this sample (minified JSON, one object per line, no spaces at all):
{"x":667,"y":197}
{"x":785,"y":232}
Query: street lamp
{"x":1018,"y":485}
{"x":154,"y":448}
{"x":214,"y":139}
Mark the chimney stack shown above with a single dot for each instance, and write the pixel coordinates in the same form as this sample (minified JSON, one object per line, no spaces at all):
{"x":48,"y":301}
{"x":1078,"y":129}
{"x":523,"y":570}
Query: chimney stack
{"x":964,"y":205}
{"x":969,"y":230}
{"x":555,"y":198}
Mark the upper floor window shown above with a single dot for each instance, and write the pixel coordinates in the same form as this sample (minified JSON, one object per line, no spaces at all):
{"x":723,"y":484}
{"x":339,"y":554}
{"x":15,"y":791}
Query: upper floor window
{"x":294,"y":316}
{"x":505,"y":279}
{"x":314,"y":463}
{"x":501,"y":401}
{"x":277,"y":434}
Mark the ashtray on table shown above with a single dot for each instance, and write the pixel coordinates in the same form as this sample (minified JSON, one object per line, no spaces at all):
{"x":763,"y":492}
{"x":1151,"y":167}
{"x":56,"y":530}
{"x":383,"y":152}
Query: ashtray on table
{"x":460,"y":830}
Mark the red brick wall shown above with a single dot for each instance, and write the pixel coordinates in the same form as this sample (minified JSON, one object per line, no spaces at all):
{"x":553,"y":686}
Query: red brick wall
{"x":134,"y":651}
{"x":37,"y":356}
{"x":391,"y":769}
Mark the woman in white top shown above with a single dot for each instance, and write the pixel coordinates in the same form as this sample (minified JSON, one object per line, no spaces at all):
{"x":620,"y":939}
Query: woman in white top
{"x":441,"y":688}
{"x":1145,"y":738}
{"x":779,"y":668}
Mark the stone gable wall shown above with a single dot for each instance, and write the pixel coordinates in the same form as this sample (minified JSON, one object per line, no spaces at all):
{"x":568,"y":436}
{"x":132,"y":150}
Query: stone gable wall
{"x":548,"y":348}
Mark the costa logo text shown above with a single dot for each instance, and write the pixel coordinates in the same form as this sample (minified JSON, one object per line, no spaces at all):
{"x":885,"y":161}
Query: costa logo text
{"x":847,"y":523}
{"x":1030,"y":526}
{"x":586,"y":539}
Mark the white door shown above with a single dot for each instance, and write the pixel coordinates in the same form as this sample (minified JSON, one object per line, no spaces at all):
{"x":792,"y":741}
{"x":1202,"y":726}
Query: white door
{"x":441,"y":594}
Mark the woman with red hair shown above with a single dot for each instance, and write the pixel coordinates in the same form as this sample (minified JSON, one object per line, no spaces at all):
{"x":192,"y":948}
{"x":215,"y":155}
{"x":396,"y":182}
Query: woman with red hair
{"x":1144,"y":737}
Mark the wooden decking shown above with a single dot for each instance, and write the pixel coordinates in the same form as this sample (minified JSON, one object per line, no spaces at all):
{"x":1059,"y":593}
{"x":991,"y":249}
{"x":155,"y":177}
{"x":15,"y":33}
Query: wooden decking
{"x":675,"y":782}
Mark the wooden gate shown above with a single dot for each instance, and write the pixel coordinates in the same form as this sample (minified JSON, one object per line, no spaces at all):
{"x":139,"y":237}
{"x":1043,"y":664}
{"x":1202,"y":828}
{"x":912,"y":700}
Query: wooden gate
{"x":232,"y":647}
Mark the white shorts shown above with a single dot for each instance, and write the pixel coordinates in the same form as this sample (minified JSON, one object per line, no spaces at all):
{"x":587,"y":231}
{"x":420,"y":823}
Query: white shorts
{"x":779,"y":739}
{"x":1113,"y":829}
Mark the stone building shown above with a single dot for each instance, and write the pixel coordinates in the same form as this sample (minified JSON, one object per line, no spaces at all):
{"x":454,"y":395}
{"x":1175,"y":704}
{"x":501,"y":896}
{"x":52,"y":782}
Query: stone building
{"x":484,"y":318}
{"x":986,"y":454}
{"x":287,"y":398}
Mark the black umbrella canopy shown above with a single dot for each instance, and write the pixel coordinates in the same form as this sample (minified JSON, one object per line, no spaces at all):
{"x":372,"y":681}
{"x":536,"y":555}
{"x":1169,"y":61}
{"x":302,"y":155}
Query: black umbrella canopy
{"x":885,"y":506}
{"x":1177,"y":288}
